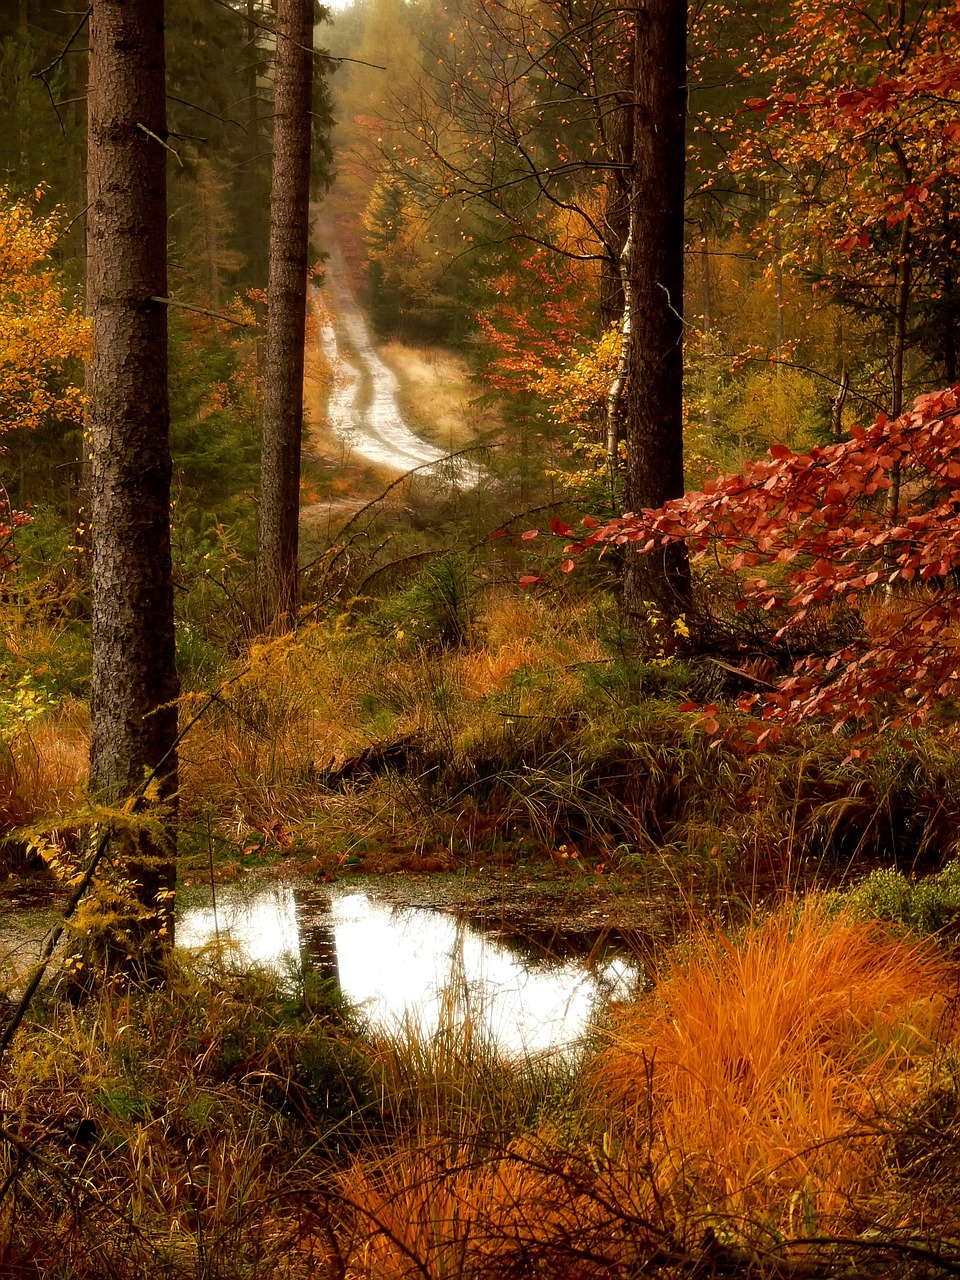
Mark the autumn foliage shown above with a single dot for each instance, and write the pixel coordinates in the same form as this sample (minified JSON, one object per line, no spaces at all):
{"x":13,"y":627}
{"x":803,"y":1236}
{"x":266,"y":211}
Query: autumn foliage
{"x":821,"y":534}
{"x":41,"y":336}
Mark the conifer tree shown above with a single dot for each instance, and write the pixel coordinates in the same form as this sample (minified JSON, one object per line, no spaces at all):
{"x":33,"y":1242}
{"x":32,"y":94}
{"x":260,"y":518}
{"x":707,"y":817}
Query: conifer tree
{"x":134,"y":679}
{"x":286,"y":322}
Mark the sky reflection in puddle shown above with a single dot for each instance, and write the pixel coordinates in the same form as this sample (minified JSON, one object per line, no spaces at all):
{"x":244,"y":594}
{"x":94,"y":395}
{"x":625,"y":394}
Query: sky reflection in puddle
{"x":409,"y":966}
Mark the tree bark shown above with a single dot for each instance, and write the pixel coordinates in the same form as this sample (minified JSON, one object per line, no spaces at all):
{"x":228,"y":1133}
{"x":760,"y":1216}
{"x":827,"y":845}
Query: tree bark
{"x":617,"y":188}
{"x":254,"y":178}
{"x":657,"y":583}
{"x":706,"y":299}
{"x":286,"y":318}
{"x":134,"y":681}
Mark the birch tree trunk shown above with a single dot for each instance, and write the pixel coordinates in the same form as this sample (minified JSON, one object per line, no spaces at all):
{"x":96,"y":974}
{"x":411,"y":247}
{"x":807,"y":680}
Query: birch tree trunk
{"x":134,"y":681}
{"x":286,"y":320}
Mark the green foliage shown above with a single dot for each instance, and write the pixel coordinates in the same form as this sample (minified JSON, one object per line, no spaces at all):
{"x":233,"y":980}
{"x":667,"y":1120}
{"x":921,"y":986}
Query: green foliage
{"x":420,"y":288}
{"x":438,"y":611}
{"x":32,"y":147}
{"x":924,"y":906}
{"x":213,"y":423}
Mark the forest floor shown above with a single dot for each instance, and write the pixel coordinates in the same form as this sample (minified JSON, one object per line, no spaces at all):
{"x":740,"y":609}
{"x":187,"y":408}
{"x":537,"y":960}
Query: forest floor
{"x":781,"y":1099}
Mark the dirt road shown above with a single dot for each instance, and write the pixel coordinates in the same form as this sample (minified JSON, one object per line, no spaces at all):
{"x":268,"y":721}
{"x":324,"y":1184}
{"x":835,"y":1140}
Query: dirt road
{"x":363,"y":409}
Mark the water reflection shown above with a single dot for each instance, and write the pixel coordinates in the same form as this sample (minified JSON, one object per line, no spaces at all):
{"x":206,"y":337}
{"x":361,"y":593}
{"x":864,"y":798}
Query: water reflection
{"x":261,"y":928}
{"x":403,"y":966}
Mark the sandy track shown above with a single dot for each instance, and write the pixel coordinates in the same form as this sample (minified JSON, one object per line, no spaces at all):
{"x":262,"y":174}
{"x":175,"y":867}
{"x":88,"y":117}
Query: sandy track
{"x":362,"y":409}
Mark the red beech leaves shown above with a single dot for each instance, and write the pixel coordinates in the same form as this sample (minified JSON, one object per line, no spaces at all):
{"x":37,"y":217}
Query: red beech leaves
{"x":819,"y":525}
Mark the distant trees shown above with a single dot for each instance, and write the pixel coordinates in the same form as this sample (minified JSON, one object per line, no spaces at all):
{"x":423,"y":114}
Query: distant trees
{"x":134,"y":681}
{"x":859,"y":131}
{"x":562,"y":125}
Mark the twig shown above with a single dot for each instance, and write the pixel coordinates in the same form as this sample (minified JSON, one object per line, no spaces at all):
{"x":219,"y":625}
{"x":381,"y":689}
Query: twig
{"x":271,"y":31}
{"x":56,"y":933}
{"x":202,"y":311}
{"x":203,"y":111}
{"x":156,"y":137}
{"x":44,"y":72}
{"x":447,"y":457}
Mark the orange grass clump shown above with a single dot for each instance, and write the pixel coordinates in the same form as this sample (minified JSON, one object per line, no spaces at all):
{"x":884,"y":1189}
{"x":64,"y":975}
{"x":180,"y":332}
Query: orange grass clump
{"x":765,"y":1065}
{"x":445,"y":1213}
{"x":487,"y":671}
{"x":43,"y":771}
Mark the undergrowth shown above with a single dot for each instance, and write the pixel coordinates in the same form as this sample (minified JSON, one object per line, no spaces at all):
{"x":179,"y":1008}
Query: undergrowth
{"x":524,"y":729}
{"x":784,"y":1101}
{"x":460,"y":724}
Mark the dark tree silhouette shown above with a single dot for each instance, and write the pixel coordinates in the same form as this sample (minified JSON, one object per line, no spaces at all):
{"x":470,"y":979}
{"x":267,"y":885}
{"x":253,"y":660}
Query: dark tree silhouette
{"x":134,"y":683}
{"x":283,"y":372}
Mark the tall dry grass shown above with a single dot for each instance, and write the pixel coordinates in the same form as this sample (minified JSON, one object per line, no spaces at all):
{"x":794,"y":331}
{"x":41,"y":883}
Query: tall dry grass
{"x":43,"y":771}
{"x":775,"y":1060}
{"x":776,"y":1090}
{"x":441,"y":1212}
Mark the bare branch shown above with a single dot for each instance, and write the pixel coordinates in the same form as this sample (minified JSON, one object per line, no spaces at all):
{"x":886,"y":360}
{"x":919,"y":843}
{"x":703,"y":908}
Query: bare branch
{"x":202,"y":311}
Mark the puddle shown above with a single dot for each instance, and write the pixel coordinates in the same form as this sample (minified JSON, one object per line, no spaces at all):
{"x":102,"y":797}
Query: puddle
{"x":403,"y":966}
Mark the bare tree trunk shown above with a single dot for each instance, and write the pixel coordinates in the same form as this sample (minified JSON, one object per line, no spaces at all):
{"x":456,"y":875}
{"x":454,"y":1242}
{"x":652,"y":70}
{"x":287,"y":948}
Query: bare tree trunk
{"x":949,"y":300}
{"x":654,"y":418}
{"x":617,"y":391}
{"x":901,"y":310}
{"x":778,"y":280}
{"x":256,"y":143}
{"x":616,"y":213}
{"x":207,"y":182}
{"x":286,"y":319}
{"x":706,"y":298}
{"x":837,"y":403}
{"x":134,"y":683}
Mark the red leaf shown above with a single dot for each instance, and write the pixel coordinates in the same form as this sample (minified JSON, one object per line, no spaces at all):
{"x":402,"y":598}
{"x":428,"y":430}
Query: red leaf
{"x":590,"y":522}
{"x":529,"y":579}
{"x":530,"y":535}
{"x":567,"y":566}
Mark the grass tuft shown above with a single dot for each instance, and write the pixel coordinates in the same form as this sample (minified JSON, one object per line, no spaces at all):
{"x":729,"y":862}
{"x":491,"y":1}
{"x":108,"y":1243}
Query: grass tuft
{"x":773,"y":1058}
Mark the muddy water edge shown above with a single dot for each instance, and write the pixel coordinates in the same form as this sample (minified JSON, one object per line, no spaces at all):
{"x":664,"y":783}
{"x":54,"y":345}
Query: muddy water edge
{"x":528,"y":963}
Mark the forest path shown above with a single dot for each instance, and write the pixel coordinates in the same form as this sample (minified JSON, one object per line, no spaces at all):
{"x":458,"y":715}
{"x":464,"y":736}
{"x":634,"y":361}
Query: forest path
{"x":363,"y":410}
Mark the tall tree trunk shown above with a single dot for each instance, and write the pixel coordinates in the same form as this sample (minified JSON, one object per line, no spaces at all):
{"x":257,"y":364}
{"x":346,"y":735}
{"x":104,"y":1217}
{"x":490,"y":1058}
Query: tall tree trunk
{"x":654,"y":417}
{"x":134,"y":682}
{"x":706,"y":299}
{"x":778,"y":281}
{"x":619,"y":146}
{"x":949,"y":310}
{"x":901,"y":312}
{"x":254,"y":160}
{"x":286,"y":318}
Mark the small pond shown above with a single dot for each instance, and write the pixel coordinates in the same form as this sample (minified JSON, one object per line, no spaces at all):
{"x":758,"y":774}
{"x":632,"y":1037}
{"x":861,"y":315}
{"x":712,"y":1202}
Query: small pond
{"x":403,"y":966}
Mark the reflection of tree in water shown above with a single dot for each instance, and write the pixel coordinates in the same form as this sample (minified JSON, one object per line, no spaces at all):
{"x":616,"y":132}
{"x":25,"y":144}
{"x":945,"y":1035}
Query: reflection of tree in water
{"x":317,"y":943}
{"x":416,"y":967}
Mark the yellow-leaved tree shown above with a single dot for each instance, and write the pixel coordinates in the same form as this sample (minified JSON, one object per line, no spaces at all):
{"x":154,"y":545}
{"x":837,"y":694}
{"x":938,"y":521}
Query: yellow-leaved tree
{"x":41,"y":332}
